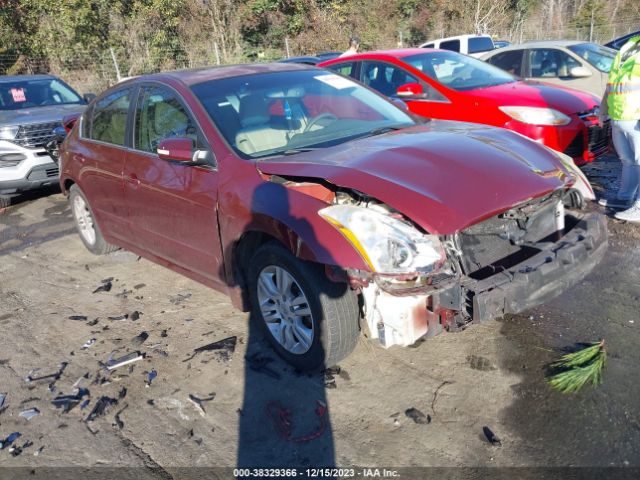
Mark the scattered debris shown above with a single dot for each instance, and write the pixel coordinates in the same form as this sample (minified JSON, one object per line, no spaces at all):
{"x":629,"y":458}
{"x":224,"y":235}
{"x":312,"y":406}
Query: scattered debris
{"x":329,"y":377}
{"x":260,"y":364}
{"x":3,"y":397}
{"x":435,"y":395}
{"x":491,"y":437}
{"x":92,"y":322}
{"x":574,"y":370}
{"x":198,"y":401}
{"x":29,"y":413}
{"x":9,"y":440}
{"x":224,"y":348}
{"x":139,"y":286}
{"x":81,"y":318}
{"x":135,"y":315}
{"x":179,"y":298}
{"x":122,"y":393}
{"x":417,"y":416}
{"x":105,"y":287}
{"x":281,"y":418}
{"x":88,"y":343}
{"x":151,"y":377}
{"x":101,"y":407}
{"x":164,"y":334}
{"x":117,"y":421}
{"x":68,"y":402}
{"x":119,"y":317}
{"x":124,"y":293}
{"x":54,"y":376}
{"x":113,"y":363}
{"x":140,"y":338}
{"x":39,"y":451}
{"x":15,"y":451}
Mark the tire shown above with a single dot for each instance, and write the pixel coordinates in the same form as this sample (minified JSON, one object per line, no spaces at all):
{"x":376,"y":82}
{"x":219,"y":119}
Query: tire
{"x":332,"y":324}
{"x":5,"y":201}
{"x":86,"y":225}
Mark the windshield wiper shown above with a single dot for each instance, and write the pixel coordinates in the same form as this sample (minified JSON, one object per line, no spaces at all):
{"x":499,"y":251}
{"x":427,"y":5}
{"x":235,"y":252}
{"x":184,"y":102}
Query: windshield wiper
{"x":293,"y":151}
{"x":388,"y":128}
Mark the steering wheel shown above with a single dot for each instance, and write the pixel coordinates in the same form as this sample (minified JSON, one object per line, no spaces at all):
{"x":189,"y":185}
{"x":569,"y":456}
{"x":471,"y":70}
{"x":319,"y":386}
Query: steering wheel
{"x":315,"y":120}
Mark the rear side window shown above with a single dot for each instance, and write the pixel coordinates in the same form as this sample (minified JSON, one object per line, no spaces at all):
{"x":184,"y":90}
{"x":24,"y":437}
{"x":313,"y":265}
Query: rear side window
{"x":161,"y":115}
{"x":428,"y":45}
{"x":480,"y":44}
{"x":346,"y":69}
{"x":109,"y":119}
{"x":550,"y":63}
{"x":453,"y":45}
{"x":510,"y":61}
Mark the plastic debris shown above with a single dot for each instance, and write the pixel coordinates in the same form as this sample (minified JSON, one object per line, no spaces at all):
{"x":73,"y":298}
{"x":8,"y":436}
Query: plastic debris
{"x":281,"y":418}
{"x":329,"y":377}
{"x":3,"y":397}
{"x":198,"y":402}
{"x":122,"y":393}
{"x":9,"y":440}
{"x":224,"y":348}
{"x":88,"y":343}
{"x":68,"y":402}
{"x":135,"y":315}
{"x":491,"y":437}
{"x":29,"y":413}
{"x":53,"y":376}
{"x":151,"y":377}
{"x":139,"y":286}
{"x":417,"y":416}
{"x":261,"y":365}
{"x":164,"y":334}
{"x":119,"y":317}
{"x":140,"y":338}
{"x":101,"y":407}
{"x":179,"y":298}
{"x":117,"y":421}
{"x":39,"y":451}
{"x":113,"y":363}
{"x":92,"y":322}
{"x":15,"y":451}
{"x":81,"y":318}
{"x":105,"y":287}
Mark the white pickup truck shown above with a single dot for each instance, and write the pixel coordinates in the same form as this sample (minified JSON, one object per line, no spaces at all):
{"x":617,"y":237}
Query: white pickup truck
{"x":474,"y":45}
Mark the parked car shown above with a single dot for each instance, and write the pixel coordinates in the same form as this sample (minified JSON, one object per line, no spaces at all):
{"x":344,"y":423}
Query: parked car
{"x":501,"y":43}
{"x":474,"y":45}
{"x":306,"y":60}
{"x":31,"y":107}
{"x":580,"y":65}
{"x":617,"y":43}
{"x":324,"y":56}
{"x":448,"y":85}
{"x":323,"y":207}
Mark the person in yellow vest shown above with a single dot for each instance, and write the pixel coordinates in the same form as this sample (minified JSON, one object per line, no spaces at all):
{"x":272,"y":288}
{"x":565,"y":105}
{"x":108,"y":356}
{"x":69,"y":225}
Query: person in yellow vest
{"x":621,"y":103}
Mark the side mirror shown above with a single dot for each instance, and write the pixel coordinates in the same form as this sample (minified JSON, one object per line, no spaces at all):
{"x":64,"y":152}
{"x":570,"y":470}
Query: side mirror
{"x":88,"y":97}
{"x":68,"y":121}
{"x":580,"y":72}
{"x":410,"y":90}
{"x":176,"y":150}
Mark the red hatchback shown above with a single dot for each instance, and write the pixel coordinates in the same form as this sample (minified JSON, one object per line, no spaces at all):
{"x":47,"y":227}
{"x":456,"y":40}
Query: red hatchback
{"x":324,"y":207}
{"x":448,"y":85}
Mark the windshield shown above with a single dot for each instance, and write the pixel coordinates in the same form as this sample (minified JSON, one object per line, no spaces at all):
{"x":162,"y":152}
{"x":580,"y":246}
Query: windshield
{"x":286,"y":112}
{"x":599,"y":57}
{"x":36,"y":93}
{"x":458,"y":72}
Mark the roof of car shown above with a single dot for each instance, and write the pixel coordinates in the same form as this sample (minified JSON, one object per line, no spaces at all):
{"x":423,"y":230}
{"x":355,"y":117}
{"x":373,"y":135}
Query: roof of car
{"x":396,"y":53}
{"x":199,"y":75}
{"x":546,"y":43}
{"x":22,"y":78}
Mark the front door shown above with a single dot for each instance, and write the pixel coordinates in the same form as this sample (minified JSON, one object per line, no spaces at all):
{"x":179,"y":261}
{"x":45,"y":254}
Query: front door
{"x":172,"y":206}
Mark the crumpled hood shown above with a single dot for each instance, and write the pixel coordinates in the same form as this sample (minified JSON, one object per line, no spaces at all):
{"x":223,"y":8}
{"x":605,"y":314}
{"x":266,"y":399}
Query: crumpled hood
{"x":46,"y":114}
{"x":538,"y":94}
{"x":445,"y":176}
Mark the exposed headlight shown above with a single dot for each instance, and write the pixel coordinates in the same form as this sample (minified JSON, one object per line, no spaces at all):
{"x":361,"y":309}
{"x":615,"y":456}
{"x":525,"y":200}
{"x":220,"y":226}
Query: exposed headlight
{"x":537,"y":116}
{"x":9,"y":132}
{"x":387,"y":245}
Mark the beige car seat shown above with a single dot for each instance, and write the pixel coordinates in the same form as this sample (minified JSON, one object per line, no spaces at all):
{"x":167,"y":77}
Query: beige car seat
{"x":256,"y":133}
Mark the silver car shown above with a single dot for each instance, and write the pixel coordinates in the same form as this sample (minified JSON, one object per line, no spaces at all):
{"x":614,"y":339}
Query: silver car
{"x":31,"y":107}
{"x":580,"y":65}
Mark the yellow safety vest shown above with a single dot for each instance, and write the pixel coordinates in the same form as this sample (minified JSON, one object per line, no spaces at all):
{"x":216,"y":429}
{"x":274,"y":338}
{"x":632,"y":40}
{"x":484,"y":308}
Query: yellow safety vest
{"x":623,"y":86}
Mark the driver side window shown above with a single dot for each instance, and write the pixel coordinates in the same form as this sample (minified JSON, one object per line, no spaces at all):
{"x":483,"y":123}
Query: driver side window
{"x":161,"y":115}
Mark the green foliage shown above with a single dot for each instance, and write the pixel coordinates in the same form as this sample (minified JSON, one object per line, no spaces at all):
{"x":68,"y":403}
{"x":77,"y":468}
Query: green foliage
{"x":574,"y":370}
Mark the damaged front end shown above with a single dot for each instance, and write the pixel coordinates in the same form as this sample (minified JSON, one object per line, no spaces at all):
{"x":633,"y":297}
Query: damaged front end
{"x":419,"y":284}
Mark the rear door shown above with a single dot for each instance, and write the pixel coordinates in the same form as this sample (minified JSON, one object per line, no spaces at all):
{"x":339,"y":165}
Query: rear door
{"x":102,"y":152}
{"x":552,"y":65}
{"x":172,"y":205}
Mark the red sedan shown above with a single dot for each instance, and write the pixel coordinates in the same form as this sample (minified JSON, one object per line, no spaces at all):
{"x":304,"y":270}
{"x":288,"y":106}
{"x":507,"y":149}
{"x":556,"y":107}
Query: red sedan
{"x":321,"y":206}
{"x":447,"y":85}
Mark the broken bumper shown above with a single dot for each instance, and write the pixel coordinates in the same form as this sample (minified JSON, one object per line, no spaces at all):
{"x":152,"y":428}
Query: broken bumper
{"x":401,"y":320}
{"x":543,"y":276}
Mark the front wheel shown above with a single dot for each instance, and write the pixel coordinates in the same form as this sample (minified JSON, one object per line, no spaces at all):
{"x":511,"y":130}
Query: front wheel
{"x":86,"y":224}
{"x":310,"y":321}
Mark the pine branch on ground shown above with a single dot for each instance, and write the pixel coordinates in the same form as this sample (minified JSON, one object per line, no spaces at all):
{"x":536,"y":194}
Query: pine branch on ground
{"x":574,"y":370}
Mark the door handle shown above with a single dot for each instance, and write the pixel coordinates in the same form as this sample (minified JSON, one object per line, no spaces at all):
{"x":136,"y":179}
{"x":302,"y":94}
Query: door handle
{"x":133,"y":179}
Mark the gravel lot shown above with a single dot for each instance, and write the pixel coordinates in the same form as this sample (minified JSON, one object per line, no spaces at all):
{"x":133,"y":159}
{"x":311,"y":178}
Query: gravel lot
{"x":488,"y":375}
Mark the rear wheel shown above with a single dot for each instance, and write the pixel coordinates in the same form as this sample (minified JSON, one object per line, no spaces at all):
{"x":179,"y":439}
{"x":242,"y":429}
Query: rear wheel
{"x":86,"y":224}
{"x":310,"y":321}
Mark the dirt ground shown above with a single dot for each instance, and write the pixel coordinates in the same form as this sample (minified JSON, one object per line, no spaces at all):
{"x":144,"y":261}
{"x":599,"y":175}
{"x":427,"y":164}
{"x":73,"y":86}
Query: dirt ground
{"x":488,"y":375}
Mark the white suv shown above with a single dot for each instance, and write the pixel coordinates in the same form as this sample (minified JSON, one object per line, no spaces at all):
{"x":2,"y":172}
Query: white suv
{"x":31,"y":107}
{"x":474,"y":45}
